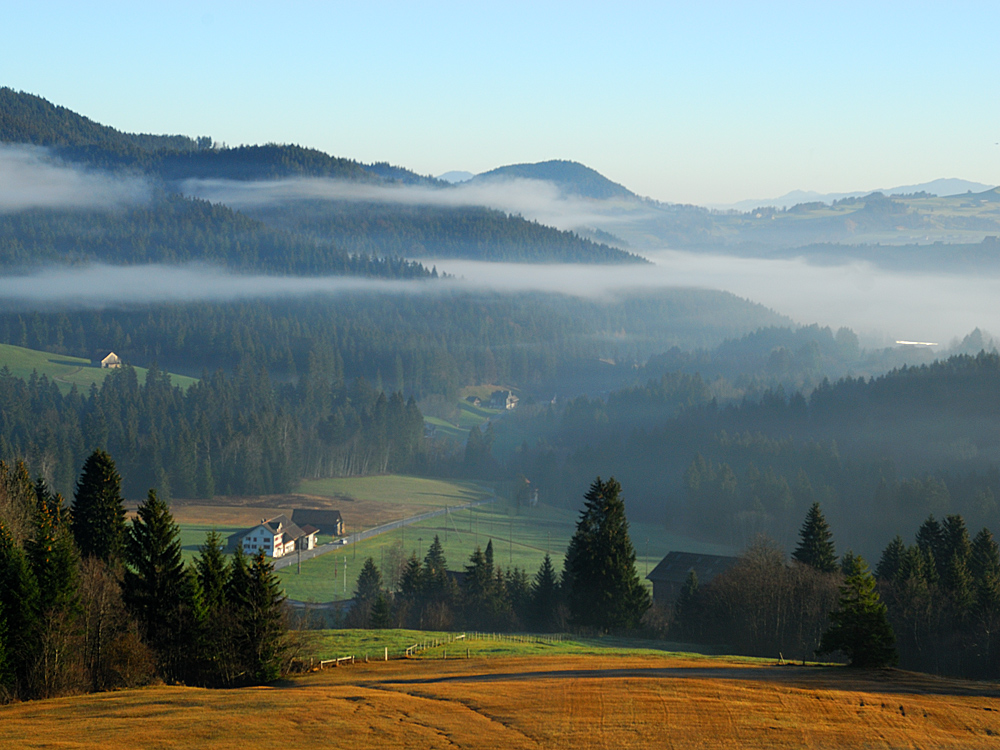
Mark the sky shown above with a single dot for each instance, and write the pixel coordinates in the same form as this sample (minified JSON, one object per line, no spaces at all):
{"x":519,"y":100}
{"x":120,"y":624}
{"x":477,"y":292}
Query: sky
{"x":709,"y":102}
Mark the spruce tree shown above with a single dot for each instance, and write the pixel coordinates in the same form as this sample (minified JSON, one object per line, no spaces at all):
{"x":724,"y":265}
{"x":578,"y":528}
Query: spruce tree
{"x":860,"y":625}
{"x":545,"y":596}
{"x":20,"y":603}
{"x":6,"y":667}
{"x":154,"y":580}
{"x":816,"y":542}
{"x":684,"y":607}
{"x":605,"y":592}
{"x":98,"y":509}
{"x":210,"y":566}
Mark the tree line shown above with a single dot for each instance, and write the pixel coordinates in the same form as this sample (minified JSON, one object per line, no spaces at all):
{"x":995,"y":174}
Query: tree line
{"x":933,"y":605}
{"x":224,"y":435}
{"x":89,"y":601}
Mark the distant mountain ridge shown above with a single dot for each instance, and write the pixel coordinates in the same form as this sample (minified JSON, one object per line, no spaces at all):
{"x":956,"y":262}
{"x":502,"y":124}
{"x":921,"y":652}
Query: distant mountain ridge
{"x":941,"y":187}
{"x":571,"y":177}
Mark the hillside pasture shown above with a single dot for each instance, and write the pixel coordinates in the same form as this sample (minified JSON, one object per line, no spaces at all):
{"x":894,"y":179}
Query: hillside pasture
{"x":672,"y":701}
{"x":66,"y":371}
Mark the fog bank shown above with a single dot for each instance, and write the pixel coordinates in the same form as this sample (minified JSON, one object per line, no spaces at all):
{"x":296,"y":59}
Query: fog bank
{"x":534,"y":199}
{"x":31,"y":178}
{"x":881,"y":306}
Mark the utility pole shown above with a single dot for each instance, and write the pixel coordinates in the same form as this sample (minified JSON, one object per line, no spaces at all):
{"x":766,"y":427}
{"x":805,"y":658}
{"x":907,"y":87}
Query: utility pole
{"x":298,"y":553}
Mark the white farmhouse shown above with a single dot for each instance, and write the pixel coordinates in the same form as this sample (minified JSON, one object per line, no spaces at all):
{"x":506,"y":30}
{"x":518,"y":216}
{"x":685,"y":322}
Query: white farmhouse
{"x":276,"y":537}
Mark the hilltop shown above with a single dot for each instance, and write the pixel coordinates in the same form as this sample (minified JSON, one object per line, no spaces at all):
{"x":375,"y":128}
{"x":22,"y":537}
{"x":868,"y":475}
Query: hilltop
{"x":571,"y":177}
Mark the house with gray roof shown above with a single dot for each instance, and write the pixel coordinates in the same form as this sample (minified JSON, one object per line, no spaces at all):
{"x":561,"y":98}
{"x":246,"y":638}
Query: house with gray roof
{"x":669,"y":575}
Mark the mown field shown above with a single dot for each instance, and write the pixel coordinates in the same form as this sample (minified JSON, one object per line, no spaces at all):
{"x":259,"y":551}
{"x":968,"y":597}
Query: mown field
{"x":521,"y":537}
{"x":65,"y":371}
{"x":604,"y":700}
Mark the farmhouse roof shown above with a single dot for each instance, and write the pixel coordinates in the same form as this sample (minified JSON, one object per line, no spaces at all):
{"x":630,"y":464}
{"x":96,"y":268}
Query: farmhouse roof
{"x":321,"y":519}
{"x":674,"y":568}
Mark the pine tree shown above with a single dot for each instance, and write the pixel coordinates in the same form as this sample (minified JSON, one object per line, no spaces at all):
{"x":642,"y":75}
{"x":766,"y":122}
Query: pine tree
{"x":860,"y":625}
{"x":381,"y":615}
{"x":816,"y":542}
{"x":369,"y":583}
{"x":684,"y":614}
{"x":212,"y":573}
{"x":605,"y":592}
{"x":98,"y":509}
{"x":154,"y":581}
{"x":6,"y":666}
{"x":545,"y":596}
{"x":19,"y":602}
{"x":892,"y":555}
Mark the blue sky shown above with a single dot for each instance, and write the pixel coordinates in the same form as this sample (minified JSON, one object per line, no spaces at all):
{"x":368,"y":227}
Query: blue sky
{"x":688,"y":102}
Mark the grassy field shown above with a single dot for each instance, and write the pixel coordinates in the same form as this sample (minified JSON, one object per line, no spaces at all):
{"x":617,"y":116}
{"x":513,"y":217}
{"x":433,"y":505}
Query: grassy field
{"x":65,"y":371}
{"x":332,"y":644}
{"x":603,"y":700}
{"x":518,"y":540}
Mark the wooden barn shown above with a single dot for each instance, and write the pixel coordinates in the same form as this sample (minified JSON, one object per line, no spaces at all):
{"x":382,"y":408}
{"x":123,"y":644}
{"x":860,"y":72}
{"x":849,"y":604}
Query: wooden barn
{"x":669,"y":575}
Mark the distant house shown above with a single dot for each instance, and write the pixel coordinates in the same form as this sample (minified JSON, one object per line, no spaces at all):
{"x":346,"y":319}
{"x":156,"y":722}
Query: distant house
{"x":503,"y":400}
{"x":325,"y":521}
{"x":669,"y":576}
{"x":112,"y":360}
{"x":276,"y":537}
{"x":474,"y":400}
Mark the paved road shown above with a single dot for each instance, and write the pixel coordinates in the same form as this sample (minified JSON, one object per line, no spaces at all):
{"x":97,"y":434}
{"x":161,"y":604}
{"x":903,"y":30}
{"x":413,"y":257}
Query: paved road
{"x":323,"y":549}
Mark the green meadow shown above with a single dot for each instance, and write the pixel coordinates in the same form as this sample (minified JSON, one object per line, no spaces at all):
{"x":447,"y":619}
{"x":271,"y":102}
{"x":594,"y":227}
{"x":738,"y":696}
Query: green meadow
{"x":64,"y":370}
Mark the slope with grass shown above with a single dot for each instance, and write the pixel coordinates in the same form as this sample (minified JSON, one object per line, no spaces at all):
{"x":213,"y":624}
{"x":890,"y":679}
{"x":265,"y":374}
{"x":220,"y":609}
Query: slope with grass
{"x":604,"y":700}
{"x":66,"y":371}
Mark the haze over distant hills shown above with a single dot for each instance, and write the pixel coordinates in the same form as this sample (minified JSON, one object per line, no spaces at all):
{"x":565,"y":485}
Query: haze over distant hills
{"x":941,"y":187}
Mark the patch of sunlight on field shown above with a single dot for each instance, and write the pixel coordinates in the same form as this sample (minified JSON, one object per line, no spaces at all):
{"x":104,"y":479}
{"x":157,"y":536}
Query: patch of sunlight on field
{"x":521,"y":538}
{"x":66,"y":371}
{"x":559,"y":701}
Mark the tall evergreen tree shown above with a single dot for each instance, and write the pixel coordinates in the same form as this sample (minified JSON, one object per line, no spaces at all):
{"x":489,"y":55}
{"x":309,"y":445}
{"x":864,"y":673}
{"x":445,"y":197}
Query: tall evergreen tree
{"x":98,"y":509}
{"x":154,"y":581}
{"x":545,"y":596}
{"x":605,"y":591}
{"x":816,"y":542}
{"x":210,"y":566}
{"x":860,"y":625}
{"x":19,"y":602}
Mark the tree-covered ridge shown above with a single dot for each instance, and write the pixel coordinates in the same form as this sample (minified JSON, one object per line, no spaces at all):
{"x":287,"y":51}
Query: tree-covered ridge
{"x":175,"y":229}
{"x":420,"y":343}
{"x":877,"y":453}
{"x":224,"y":435}
{"x":422,"y":231}
{"x":26,"y":118}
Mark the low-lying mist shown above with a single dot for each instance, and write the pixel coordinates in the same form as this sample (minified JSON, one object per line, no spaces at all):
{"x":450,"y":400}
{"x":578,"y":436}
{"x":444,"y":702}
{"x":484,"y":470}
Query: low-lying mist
{"x":30,"y":177}
{"x":533,"y":199}
{"x":881,"y":306}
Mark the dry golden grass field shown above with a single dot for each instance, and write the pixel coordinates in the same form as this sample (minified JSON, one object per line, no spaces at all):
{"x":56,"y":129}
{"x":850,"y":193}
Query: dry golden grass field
{"x":553,"y":702}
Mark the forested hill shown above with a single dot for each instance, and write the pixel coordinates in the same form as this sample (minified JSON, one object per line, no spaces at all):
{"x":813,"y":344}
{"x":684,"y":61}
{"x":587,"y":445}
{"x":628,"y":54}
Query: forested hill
{"x":174,"y":229}
{"x":379,"y":230}
{"x":880,"y":453}
{"x":469,"y":232}
{"x":571,"y":177}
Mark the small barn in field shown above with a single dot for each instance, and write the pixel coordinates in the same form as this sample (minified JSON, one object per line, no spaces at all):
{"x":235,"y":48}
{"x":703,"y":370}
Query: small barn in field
{"x":669,"y":575}
{"x":112,"y":360}
{"x":326,"y":521}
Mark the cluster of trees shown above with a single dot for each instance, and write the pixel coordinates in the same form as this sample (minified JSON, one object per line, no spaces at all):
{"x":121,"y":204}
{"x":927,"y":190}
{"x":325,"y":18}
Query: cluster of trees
{"x":484,"y":596}
{"x":932,"y":606}
{"x":90,"y":602}
{"x":598,"y":590}
{"x":224,"y":435}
